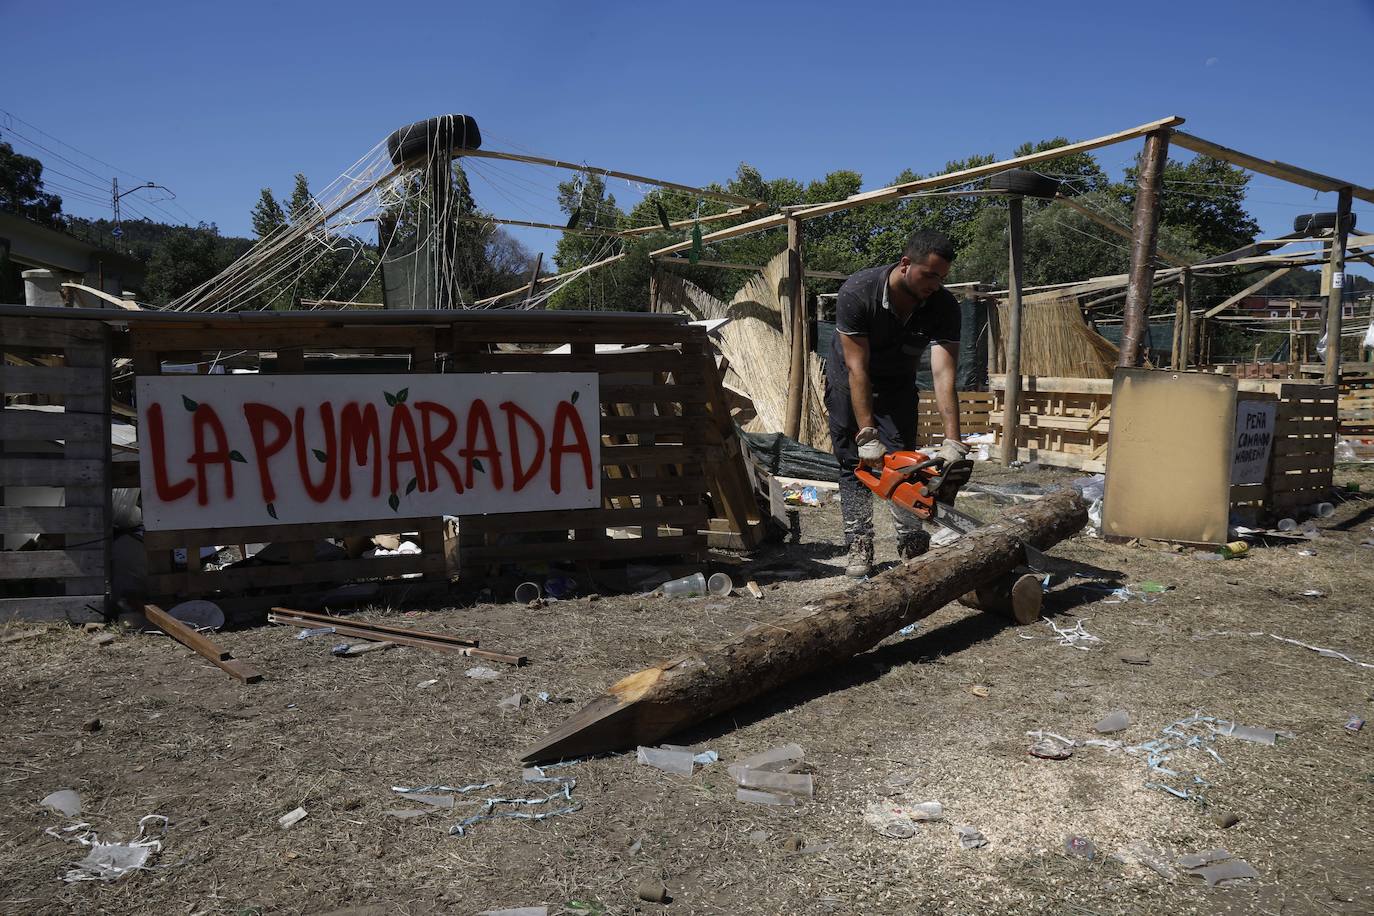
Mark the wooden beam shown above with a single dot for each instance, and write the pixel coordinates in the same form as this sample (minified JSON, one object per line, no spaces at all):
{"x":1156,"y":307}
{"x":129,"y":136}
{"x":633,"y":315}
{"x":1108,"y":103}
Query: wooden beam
{"x":128,"y":305}
{"x":1144,"y":233}
{"x":610,"y":173}
{"x":691,"y":221}
{"x":1248,"y":291}
{"x":1271,"y":167}
{"x":730,"y":265}
{"x":1117,"y":228}
{"x":577,"y":230}
{"x":1011,"y":411}
{"x":200,"y":644}
{"x":795,"y":311}
{"x":1333,"y":299}
{"x":698,"y":683}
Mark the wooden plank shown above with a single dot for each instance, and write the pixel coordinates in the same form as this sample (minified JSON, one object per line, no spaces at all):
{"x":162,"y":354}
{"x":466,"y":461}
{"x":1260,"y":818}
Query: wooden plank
{"x":51,"y":564}
{"x":50,"y":472}
{"x":200,"y":644}
{"x":651,"y":454}
{"x":1281,"y":464}
{"x":653,"y":486}
{"x":417,"y":640}
{"x":633,"y":426}
{"x":591,"y":550}
{"x":52,"y":520}
{"x":278,"y":337}
{"x":1271,"y":167}
{"x":1305,"y":410}
{"x":49,"y":380}
{"x":172,"y":583}
{"x":315,"y":619}
{"x":94,"y":401}
{"x":1031,"y":384}
{"x":47,"y":333}
{"x":651,"y":394}
{"x":570,"y":519}
{"x":669,"y":360}
{"x":648,"y":330}
{"x":19,"y":425}
{"x":71,"y":608}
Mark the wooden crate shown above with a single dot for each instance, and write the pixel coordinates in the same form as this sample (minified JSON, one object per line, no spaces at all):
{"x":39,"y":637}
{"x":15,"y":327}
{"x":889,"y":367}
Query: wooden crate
{"x":1063,"y":422}
{"x":62,"y":366}
{"x":1304,"y":455}
{"x":975,"y":408}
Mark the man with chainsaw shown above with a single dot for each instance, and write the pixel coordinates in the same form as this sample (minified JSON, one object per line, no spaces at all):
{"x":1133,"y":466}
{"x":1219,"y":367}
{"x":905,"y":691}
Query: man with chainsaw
{"x":884,"y":319}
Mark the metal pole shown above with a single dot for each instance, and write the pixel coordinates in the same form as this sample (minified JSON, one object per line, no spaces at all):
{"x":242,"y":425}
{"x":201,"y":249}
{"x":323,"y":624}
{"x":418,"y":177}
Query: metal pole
{"x":1333,"y":298}
{"x":1144,"y":234}
{"x":1011,"y":395}
{"x":796,"y":303}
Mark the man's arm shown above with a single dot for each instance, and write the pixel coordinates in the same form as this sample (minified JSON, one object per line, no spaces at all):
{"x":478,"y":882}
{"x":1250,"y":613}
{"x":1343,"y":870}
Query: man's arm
{"x":944,"y":360}
{"x":855,"y":349}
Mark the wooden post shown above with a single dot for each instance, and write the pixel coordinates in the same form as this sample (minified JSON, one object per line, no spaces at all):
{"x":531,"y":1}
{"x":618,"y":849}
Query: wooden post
{"x":1144,"y":234}
{"x":1332,"y":375}
{"x":1293,"y":332}
{"x":653,"y":287}
{"x":1185,"y":303}
{"x":534,"y":277}
{"x":1011,"y":395}
{"x":794,"y":284}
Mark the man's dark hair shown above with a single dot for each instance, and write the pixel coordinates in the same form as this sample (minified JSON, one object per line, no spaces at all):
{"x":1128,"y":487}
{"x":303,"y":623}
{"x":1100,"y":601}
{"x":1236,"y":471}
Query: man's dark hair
{"x":924,"y":242}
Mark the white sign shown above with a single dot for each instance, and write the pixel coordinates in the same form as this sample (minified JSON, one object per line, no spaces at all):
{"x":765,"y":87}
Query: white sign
{"x":1254,"y":439}
{"x":261,"y":449}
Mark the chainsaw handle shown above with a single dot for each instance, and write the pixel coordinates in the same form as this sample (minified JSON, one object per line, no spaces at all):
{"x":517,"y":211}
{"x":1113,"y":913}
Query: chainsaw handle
{"x":928,"y":463}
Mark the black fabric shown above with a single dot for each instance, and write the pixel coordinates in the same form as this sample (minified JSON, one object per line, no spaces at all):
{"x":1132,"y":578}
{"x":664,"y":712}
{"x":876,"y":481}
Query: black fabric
{"x":894,"y":412}
{"x":786,"y":457}
{"x":895,"y":347}
{"x":972,"y":373}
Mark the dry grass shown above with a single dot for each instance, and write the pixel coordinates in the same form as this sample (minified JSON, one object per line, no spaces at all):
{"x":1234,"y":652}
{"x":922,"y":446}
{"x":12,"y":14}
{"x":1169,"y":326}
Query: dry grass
{"x":224,"y":761}
{"x":1055,"y":341}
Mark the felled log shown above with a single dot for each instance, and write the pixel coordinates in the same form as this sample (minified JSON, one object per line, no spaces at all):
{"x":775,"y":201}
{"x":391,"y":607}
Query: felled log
{"x":1017,"y":595}
{"x":653,"y":703}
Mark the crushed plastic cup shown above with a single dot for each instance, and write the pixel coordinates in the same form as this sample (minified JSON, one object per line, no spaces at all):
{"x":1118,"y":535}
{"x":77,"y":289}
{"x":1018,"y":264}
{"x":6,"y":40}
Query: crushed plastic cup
{"x":719,"y":585}
{"x":559,"y":587}
{"x":679,"y":763}
{"x":775,"y":760}
{"x":925,"y":811}
{"x":1112,"y":722}
{"x":693,"y":586}
{"x":788,"y":783}
{"x":526,"y":592}
{"x":764,"y":798}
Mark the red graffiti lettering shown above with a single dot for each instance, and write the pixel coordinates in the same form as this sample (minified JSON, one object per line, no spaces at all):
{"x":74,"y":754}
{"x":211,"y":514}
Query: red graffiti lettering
{"x":434,"y":446}
{"x":204,"y":420}
{"x":523,"y":474}
{"x":356,"y":427}
{"x":157,"y":441}
{"x":321,"y":491}
{"x":403,"y":423}
{"x":478,"y":415}
{"x":565,"y":420}
{"x":259,"y":416}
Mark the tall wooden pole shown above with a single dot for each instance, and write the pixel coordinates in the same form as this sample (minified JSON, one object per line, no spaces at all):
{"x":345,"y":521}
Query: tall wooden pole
{"x":1144,"y":234}
{"x":653,"y":287}
{"x":1333,"y":298}
{"x":534,"y":277}
{"x":1185,"y":302}
{"x":1011,"y":395}
{"x":796,"y":304}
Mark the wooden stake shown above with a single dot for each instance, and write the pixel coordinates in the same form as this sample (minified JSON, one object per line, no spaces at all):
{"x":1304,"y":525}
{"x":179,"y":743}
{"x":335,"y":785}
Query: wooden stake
{"x":534,"y":276}
{"x":699,"y":683}
{"x":1011,"y":408}
{"x":796,"y":313}
{"x":1333,"y":300}
{"x":199,"y":643}
{"x":1144,"y":234}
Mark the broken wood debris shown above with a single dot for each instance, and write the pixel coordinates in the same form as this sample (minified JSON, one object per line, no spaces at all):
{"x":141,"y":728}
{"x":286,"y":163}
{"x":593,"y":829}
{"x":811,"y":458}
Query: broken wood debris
{"x":419,"y":639}
{"x":201,"y":644}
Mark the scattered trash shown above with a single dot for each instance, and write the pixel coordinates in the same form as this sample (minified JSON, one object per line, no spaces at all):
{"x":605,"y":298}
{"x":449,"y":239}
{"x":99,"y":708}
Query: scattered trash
{"x":1354,"y":724}
{"x":1329,"y":653}
{"x":345,"y":650}
{"x":978,"y":690}
{"x":777,"y":760}
{"x":460,"y":790}
{"x":798,"y":495}
{"x":291,"y":818}
{"x":1152,"y":859}
{"x":1051,"y":748}
{"x":518,"y":911}
{"x":693,"y":586}
{"x":314,"y":631}
{"x":971,"y":837}
{"x":889,"y":820}
{"x":91,"y":726}
{"x":1248,"y":733}
{"x":652,"y":890}
{"x":433,"y":801}
{"x":559,"y":587}
{"x":1080,"y":847}
{"x":1314,"y":593}
{"x":764,"y":798}
{"x":429,"y":683}
{"x":526,"y":592}
{"x":64,"y":801}
{"x":754,"y":589}
{"x":511,"y":702}
{"x":1225,"y":819}
{"x":908,"y":629}
{"x":678,"y":763}
{"x":405,"y":814}
{"x":489,"y":811}
{"x":787,"y":783}
{"x":109,"y":861}
{"x":482,"y":673}
{"x":1134,"y":658}
{"x":706,"y":758}
{"x":1112,"y":722}
{"x":1216,"y":866}
{"x":198,"y":613}
{"x":1234,"y":549}
{"x":759,"y":836}
{"x":1075,"y":637}
{"x":1322,"y":510}
{"x":719,"y":585}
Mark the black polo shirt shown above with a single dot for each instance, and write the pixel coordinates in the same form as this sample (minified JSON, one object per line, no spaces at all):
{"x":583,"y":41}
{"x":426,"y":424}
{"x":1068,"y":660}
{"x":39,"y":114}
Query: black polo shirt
{"x":894,"y":346}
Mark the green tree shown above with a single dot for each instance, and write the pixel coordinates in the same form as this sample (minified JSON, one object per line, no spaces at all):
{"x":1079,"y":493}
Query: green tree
{"x":21,"y":189}
{"x":589,"y":207}
{"x":267,"y":214}
{"x":185,"y":258}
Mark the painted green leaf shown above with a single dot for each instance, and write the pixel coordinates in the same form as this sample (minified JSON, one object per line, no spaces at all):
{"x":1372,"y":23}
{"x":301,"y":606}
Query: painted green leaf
{"x":574,"y":397}
{"x":188,"y":403}
{"x":320,"y":455}
{"x":410,"y":487}
{"x":237,"y":455}
{"x":477,"y":463}
{"x":271,"y":510}
{"x":390,"y":398}
{"x":402,"y":395}
{"x":393,"y":501}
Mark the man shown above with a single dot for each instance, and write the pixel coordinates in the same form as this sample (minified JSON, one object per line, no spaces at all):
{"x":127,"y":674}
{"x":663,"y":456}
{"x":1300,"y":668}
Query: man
{"x":884,"y":319}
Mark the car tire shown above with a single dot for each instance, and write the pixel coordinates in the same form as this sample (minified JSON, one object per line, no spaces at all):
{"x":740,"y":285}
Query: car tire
{"x":1316,"y":222}
{"x":446,"y":132}
{"x":1025,"y":183}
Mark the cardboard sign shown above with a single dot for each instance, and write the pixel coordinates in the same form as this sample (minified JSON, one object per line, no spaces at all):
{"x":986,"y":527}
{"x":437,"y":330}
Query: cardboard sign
{"x":1254,"y":439}
{"x":259,"y":449}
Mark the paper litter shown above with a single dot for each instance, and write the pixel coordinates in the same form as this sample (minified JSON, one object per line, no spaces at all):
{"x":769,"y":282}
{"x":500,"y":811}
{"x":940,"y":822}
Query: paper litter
{"x":109,"y":861}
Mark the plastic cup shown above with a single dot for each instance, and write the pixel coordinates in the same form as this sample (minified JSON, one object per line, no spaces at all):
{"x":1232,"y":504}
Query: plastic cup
{"x":1286,"y":524}
{"x":720,"y":585}
{"x":1323,"y":510}
{"x":526,"y":592}
{"x":692,"y":586}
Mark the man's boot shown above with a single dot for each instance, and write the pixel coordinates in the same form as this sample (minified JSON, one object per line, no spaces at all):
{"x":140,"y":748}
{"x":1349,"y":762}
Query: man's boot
{"x":911,"y":544}
{"x":860,"y":562}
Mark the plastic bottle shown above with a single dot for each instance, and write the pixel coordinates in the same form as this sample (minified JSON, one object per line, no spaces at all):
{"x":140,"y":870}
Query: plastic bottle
{"x":1234,"y":549}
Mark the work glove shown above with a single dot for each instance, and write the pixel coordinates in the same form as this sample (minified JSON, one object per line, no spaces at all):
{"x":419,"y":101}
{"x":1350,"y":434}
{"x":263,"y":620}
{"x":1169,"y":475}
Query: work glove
{"x":871,"y":450}
{"x":957,"y":469}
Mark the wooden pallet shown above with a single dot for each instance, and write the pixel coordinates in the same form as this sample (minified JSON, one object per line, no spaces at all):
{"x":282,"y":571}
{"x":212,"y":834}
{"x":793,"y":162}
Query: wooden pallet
{"x":1305,"y":431}
{"x":61,"y":364}
{"x":975,"y":410}
{"x":1063,"y":422}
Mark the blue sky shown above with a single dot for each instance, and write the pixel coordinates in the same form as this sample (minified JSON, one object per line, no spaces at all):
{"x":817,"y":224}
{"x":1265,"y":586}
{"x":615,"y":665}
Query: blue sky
{"x":218,"y":100}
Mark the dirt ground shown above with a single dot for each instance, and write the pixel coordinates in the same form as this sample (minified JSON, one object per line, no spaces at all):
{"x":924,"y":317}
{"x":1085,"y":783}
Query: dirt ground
{"x":222,"y":762}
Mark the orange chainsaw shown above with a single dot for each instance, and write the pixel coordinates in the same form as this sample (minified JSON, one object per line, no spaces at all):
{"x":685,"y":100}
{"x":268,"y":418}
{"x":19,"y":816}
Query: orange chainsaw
{"x":910,"y":479}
